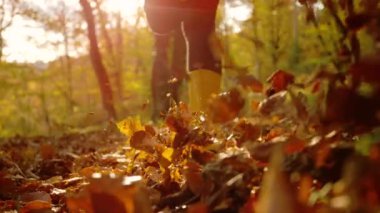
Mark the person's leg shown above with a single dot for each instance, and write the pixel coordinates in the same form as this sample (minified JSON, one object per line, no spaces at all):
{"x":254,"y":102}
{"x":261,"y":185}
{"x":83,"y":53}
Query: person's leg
{"x":178,"y":63}
{"x":198,"y":17}
{"x":163,"y":16}
{"x":163,"y":20}
{"x":199,"y":27}
{"x":204,"y":67}
{"x":160,"y":76}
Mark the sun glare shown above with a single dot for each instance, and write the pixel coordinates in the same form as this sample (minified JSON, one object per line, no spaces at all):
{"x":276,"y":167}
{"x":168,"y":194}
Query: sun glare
{"x":235,"y":14}
{"x":128,"y":8}
{"x":25,"y":41}
{"x":23,"y":37}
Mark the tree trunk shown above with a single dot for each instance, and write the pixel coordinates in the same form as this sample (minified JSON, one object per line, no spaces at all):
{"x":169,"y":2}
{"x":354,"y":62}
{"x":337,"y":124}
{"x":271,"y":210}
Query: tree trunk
{"x":104,"y":33}
{"x":295,"y":54}
{"x":96,"y":60}
{"x":114,"y":52}
{"x":1,"y":46}
{"x":8,"y":10}
{"x":119,"y":58}
{"x":67,"y":62}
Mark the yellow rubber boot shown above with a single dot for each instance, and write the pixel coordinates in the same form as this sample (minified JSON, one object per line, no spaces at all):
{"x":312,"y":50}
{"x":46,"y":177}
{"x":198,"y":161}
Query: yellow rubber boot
{"x":203,"y":83}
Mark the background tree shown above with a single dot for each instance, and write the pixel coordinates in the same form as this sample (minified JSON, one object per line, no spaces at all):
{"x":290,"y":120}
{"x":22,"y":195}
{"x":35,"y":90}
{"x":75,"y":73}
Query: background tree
{"x":96,"y":60}
{"x":111,"y":36}
{"x":8,"y":10}
{"x":65,"y":96}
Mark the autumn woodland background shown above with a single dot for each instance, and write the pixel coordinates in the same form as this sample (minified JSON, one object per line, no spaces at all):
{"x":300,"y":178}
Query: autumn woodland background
{"x":63,"y":95}
{"x":296,"y":130}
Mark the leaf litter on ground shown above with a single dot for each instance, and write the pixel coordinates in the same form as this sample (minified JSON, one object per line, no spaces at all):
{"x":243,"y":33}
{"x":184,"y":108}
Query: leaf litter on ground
{"x":304,"y":148}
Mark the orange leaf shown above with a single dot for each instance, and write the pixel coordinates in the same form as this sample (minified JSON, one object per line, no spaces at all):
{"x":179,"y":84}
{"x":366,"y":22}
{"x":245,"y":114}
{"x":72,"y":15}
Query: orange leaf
{"x":280,"y":80}
{"x":142,"y":140}
{"x":194,"y":178}
{"x":47,"y":151}
{"x":226,"y":106}
{"x":198,"y":208}
{"x":36,"y":206}
{"x":88,"y":171}
{"x":250,"y":82}
{"x":322,"y":154}
{"x":105,"y":202}
{"x":293,"y":145}
{"x":305,"y":189}
{"x":111,"y":194}
{"x":34,"y":196}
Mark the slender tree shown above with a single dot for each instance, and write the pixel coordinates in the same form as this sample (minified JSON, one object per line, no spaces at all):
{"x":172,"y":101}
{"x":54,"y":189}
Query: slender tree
{"x":96,"y":60}
{"x":59,"y":18}
{"x":112,"y":39}
{"x":63,"y":19}
{"x":119,"y":57}
{"x":8,"y":10}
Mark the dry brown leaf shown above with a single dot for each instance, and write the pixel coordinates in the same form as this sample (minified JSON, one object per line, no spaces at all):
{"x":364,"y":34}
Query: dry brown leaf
{"x":47,"y":151}
{"x":36,"y":206}
{"x":226,"y":106}
{"x":251,"y":83}
{"x":123,"y":194}
{"x":194,"y":178}
{"x":280,"y":80}
{"x":273,"y":103}
{"x":32,"y":196}
{"x":197,"y":208}
{"x":142,"y":140}
{"x":277,"y":194}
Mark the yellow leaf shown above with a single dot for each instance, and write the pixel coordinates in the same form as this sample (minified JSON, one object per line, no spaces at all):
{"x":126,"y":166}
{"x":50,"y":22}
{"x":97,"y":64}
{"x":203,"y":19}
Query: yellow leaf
{"x":130,"y":125}
{"x":143,"y":155}
{"x":176,"y":175}
{"x":168,"y":153}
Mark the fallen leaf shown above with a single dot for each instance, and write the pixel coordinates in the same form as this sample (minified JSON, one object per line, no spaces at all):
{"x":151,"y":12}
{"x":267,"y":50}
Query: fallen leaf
{"x":251,"y":83}
{"x":283,"y":200}
{"x":111,"y":193}
{"x":130,"y":125}
{"x":168,"y":153}
{"x":47,"y":151}
{"x":280,"y":80}
{"x":293,"y":145}
{"x":273,"y":104}
{"x":194,"y":179}
{"x":36,"y":206}
{"x":142,"y":140}
{"x":198,"y":208}
{"x":226,"y":106}
{"x":33,"y":196}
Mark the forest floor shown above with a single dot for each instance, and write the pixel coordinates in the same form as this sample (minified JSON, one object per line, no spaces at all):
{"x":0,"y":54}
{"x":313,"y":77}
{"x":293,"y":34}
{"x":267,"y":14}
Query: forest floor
{"x":281,"y":157}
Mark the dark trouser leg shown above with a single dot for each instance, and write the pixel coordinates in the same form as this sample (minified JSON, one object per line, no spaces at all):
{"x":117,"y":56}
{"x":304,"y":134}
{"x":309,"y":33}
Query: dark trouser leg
{"x":199,"y":29}
{"x":164,"y":20}
{"x":168,"y":70}
{"x":178,"y":63}
{"x":204,"y":66}
{"x":160,"y":76}
{"x":198,"y":18}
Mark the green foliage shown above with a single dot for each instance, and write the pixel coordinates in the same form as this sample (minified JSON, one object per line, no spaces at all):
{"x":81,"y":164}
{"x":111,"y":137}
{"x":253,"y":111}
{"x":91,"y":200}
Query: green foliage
{"x":286,"y":35}
{"x":19,"y":99}
{"x":365,"y":142}
{"x":64,"y":96}
{"x":38,"y":102}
